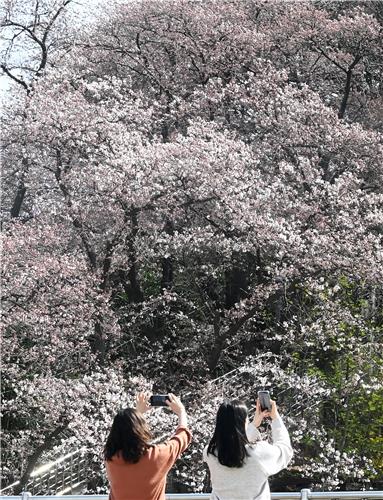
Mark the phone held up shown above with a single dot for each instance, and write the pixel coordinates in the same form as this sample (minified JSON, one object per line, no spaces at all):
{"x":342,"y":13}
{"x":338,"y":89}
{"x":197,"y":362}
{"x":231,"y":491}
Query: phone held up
{"x":264,"y":400}
{"x":159,"y":400}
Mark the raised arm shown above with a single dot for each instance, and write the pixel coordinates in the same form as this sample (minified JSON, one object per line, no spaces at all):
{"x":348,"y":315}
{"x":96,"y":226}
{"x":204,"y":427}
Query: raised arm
{"x":178,"y":408}
{"x":276,"y":456}
{"x":182,"y":436}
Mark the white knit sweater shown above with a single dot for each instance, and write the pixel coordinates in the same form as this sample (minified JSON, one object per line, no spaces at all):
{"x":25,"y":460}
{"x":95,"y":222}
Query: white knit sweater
{"x":249,"y":482}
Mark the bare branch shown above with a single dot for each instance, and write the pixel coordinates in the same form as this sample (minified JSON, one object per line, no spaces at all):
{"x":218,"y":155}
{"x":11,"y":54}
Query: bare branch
{"x":15,"y":78}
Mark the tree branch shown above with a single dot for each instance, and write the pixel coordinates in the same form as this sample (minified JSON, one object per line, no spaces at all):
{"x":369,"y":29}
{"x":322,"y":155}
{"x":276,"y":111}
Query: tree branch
{"x":17,"y":80}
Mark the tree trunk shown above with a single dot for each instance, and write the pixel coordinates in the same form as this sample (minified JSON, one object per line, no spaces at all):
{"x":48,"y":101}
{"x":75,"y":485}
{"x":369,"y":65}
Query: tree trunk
{"x":18,"y":201}
{"x":235,"y":286}
{"x":97,"y":341}
{"x":219,"y":341}
{"x":347,"y":88}
{"x":133,"y":291}
{"x":20,"y":192}
{"x":167,"y":263}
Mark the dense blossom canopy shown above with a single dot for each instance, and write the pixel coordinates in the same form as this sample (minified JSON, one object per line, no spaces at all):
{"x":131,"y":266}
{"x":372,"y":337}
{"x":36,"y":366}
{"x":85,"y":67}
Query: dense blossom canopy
{"x":193,"y":189}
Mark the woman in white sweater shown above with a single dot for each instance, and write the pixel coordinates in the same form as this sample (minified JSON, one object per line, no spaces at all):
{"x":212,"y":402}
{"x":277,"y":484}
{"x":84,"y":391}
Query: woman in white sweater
{"x":239,"y":470}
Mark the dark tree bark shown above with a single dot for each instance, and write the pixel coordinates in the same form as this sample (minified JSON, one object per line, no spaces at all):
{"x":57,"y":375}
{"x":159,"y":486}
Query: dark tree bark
{"x":347,"y":88}
{"x":348,"y":73}
{"x":133,"y":291}
{"x":220,"y":338}
{"x":97,"y":341}
{"x":236,"y":283}
{"x":219,"y":341}
{"x":19,"y":199}
{"x":167,"y":263}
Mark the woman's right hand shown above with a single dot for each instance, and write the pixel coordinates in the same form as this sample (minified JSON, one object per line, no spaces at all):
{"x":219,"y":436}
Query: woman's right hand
{"x":259,"y":415}
{"x":274,"y":410}
{"x":175,"y":404}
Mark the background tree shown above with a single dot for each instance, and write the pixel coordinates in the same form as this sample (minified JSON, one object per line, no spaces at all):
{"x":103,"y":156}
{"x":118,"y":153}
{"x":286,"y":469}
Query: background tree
{"x":204,"y":197}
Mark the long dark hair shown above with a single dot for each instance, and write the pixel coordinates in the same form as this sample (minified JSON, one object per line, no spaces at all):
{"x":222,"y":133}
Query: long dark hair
{"x":128,"y":437}
{"x":229,"y":439}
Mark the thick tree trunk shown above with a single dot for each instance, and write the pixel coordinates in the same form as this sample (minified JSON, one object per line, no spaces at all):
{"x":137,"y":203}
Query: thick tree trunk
{"x":216,"y":351}
{"x":133,"y":291}
{"x":167,"y":273}
{"x":347,"y":88}
{"x":97,"y":341}
{"x":346,"y":95}
{"x":20,"y":192}
{"x":236,"y":282}
{"x":167,"y":263}
{"x":18,"y":201}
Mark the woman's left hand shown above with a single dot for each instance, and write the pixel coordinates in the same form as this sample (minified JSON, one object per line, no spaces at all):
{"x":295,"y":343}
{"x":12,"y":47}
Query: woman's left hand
{"x":259,"y":415}
{"x":142,"y":402}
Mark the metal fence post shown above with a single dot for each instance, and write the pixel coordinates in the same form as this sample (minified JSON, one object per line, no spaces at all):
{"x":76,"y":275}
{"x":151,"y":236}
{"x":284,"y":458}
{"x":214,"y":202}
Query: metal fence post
{"x":25,"y":495}
{"x":305,"y":494}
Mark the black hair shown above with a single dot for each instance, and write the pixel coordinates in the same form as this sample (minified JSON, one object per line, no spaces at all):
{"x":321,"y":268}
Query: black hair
{"x":129,"y":436}
{"x":229,"y":439}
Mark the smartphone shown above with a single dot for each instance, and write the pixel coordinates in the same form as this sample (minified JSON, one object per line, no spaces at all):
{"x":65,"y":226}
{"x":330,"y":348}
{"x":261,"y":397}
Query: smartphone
{"x":159,"y":400}
{"x":264,"y":400}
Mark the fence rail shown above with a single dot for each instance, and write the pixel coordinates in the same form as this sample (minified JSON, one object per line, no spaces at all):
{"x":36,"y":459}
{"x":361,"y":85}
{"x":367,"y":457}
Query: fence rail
{"x":56,"y":477}
{"x":304,"y":494}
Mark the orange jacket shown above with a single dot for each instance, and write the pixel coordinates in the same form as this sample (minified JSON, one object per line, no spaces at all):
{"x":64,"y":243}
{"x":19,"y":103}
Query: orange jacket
{"x":146,"y":479}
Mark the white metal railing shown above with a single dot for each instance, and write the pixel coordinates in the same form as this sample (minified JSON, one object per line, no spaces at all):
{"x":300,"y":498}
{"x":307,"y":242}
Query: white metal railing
{"x":304,"y":494}
{"x":58,"y":477}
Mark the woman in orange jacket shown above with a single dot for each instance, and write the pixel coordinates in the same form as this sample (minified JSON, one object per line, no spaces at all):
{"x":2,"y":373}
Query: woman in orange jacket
{"x":137,"y":469}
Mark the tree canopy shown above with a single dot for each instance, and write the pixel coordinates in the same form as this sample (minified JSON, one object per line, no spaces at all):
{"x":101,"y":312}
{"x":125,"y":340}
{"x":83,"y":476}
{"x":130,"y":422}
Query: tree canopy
{"x":193,"y":189}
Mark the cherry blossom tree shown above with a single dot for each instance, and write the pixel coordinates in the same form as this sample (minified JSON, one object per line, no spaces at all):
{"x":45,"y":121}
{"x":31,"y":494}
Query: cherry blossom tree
{"x":34,"y":34}
{"x":204,"y":195}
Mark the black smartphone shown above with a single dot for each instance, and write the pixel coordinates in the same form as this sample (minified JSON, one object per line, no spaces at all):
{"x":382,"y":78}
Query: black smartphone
{"x":264,"y":400}
{"x":159,"y":400}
